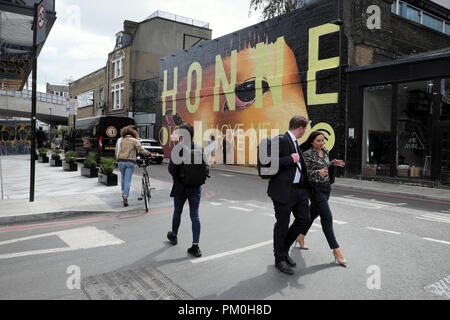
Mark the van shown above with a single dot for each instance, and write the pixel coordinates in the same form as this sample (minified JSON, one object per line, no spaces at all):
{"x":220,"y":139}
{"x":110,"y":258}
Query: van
{"x":96,"y":134}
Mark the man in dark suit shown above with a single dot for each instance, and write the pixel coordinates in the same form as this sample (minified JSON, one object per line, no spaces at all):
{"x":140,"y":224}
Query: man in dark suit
{"x":288,"y":190}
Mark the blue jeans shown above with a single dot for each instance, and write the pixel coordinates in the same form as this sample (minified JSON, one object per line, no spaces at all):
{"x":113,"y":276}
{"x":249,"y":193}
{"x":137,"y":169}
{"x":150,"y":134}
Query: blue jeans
{"x":126,"y":171}
{"x":193,"y":195}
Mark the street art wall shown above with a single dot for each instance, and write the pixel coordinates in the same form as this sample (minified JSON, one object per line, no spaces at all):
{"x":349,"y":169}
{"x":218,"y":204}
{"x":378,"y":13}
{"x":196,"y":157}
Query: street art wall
{"x":257,"y":78}
{"x":15,"y":137}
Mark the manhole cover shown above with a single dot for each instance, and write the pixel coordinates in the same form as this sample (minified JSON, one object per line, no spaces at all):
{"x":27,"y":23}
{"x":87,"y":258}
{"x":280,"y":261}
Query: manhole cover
{"x":144,"y":283}
{"x":440,"y":287}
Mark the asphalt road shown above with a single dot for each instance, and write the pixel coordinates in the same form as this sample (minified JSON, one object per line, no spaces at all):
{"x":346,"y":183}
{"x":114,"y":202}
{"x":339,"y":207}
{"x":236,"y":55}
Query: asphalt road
{"x":397,"y":249}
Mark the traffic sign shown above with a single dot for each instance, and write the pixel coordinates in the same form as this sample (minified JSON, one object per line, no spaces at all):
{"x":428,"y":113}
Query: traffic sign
{"x":40,"y":23}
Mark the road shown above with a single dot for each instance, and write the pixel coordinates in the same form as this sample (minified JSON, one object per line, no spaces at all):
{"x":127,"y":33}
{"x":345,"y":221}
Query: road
{"x":397,"y":248}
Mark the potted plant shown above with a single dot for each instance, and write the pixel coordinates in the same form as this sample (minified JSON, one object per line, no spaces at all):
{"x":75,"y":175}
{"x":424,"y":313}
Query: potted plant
{"x":89,"y":168}
{"x":43,"y":158}
{"x":56,"y":158}
{"x":70,"y":161}
{"x":106,"y":175}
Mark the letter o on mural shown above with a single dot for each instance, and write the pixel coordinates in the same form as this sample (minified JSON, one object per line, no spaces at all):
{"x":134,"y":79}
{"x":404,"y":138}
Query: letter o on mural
{"x":328,"y":132}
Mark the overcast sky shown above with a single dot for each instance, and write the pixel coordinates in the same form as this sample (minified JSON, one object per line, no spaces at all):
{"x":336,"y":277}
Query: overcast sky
{"x":84,"y":31}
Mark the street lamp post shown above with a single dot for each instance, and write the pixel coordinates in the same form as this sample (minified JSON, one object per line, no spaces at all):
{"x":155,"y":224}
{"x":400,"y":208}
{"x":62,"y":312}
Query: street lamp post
{"x":50,"y":128}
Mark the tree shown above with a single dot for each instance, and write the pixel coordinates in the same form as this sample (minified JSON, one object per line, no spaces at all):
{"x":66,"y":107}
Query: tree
{"x":272,"y":8}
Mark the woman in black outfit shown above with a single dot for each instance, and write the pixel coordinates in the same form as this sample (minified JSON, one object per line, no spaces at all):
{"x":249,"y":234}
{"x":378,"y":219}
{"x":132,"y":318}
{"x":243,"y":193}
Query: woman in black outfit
{"x":318,"y":162}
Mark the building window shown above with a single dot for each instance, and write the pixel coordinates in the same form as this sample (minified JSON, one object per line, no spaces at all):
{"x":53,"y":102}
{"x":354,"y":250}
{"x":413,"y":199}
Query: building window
{"x":414,"y":129}
{"x":412,"y":14}
{"x":445,"y":100}
{"x":117,"y":95}
{"x":378,"y":139}
{"x":117,"y":66}
{"x":415,"y":14}
{"x":432,"y":22}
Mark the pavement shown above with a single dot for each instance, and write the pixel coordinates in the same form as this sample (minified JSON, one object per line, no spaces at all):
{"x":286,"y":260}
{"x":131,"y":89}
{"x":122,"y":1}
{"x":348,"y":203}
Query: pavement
{"x":60,"y":194}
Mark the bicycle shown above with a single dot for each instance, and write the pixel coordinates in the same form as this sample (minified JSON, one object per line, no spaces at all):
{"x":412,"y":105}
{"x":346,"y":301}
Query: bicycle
{"x":146,"y":190}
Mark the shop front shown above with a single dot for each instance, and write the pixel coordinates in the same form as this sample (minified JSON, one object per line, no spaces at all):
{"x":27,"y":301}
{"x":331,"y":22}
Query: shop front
{"x":398,"y":120}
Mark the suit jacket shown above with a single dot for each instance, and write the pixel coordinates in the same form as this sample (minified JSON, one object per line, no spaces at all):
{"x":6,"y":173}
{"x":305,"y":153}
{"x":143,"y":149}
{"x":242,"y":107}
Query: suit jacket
{"x":178,"y":187}
{"x":280,"y":185}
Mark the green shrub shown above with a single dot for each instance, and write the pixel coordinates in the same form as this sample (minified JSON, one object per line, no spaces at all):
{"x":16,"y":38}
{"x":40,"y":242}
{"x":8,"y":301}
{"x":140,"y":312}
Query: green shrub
{"x":56,"y":154}
{"x":91,"y":160}
{"x":107,"y":165}
{"x":70,"y":157}
{"x":43,"y":152}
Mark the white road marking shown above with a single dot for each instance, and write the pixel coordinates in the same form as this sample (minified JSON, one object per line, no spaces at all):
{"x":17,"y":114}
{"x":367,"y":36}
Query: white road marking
{"x":356,"y":203}
{"x":231,"y":201}
{"x":226,"y":175}
{"x":215,"y":204}
{"x":254,"y":206}
{"x":241,"y":209}
{"x":387,"y":203}
{"x":383,"y":230}
{"x":76,"y":239}
{"x":445,"y":211}
{"x":228,"y":253}
{"x":435,"y":240}
{"x":434,"y":217}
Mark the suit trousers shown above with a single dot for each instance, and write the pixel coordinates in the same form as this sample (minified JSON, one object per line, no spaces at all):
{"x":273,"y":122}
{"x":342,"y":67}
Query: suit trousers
{"x":320,"y":207}
{"x":283,"y":234}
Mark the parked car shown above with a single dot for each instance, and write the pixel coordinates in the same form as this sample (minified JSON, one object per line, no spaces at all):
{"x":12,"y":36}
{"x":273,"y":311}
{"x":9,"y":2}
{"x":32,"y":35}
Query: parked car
{"x":155,"y":148}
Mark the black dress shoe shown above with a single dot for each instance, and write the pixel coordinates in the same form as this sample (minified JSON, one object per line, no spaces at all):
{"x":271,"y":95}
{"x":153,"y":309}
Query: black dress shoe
{"x":290,"y":261}
{"x":284,"y":267}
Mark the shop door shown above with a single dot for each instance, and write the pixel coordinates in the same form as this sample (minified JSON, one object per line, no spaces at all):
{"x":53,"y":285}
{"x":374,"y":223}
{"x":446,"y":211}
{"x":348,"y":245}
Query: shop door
{"x":445,"y":152}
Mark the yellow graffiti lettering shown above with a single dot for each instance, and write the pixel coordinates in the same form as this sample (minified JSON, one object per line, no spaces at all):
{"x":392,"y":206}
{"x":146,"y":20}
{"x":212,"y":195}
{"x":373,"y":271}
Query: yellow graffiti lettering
{"x":170,"y":93}
{"x":222,"y":80}
{"x":197,"y":68}
{"x":316,"y":65}
{"x":265,"y":69}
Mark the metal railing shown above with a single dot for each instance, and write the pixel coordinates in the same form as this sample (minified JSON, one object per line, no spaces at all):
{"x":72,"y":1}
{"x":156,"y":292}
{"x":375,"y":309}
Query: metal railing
{"x":177,"y":18}
{"x":40,"y":96}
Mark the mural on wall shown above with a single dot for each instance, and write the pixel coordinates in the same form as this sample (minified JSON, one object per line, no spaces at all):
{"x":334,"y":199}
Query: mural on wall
{"x":15,"y":137}
{"x":254,"y":79}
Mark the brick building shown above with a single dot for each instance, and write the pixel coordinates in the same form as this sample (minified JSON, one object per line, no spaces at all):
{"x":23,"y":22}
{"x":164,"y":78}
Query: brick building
{"x":330,"y":47}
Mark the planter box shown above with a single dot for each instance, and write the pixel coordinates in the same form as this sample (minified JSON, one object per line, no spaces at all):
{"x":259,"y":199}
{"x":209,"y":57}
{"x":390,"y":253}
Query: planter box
{"x":403,"y":172}
{"x":369,"y":171}
{"x":70,"y":166}
{"x":89,"y":172}
{"x":110,"y":180}
{"x":44,"y":159}
{"x":55,"y":163}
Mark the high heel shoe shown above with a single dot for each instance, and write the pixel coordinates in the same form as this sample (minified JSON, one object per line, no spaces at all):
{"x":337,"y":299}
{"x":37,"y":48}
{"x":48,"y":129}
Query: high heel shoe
{"x":341,"y":262}
{"x":301,"y":247}
{"x":125,"y":202}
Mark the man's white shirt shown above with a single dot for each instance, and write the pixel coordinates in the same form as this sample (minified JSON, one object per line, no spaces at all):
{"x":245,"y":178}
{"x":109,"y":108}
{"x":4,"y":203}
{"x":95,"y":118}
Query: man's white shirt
{"x":297,"y":172}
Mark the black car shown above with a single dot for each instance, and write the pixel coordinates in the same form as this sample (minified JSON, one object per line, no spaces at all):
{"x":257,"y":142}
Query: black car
{"x":155,"y":148}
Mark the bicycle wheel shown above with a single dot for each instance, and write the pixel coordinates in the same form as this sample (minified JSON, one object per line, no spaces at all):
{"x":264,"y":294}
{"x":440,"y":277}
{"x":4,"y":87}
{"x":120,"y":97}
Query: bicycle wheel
{"x":144,"y":193}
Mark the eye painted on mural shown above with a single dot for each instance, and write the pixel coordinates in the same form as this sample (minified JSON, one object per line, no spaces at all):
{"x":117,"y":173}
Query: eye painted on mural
{"x":245,"y":94}
{"x":173,"y":120}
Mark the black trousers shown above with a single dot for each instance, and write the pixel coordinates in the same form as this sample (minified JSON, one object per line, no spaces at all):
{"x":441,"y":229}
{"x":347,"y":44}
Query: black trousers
{"x":283,"y":234}
{"x":320,"y":207}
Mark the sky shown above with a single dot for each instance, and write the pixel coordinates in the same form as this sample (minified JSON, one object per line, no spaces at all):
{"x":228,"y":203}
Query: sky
{"x":84,"y":31}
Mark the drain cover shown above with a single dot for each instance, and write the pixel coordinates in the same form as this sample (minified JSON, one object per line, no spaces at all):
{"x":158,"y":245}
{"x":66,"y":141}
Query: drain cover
{"x":144,"y":283}
{"x":440,"y":287}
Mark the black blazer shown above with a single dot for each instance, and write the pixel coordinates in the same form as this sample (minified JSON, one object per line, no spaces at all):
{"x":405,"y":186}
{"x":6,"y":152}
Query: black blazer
{"x":280,"y":185}
{"x":178,"y":188}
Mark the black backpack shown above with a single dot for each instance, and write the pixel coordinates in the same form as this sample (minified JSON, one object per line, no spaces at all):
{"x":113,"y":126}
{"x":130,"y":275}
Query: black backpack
{"x":194,"y":173}
{"x":264,"y":165}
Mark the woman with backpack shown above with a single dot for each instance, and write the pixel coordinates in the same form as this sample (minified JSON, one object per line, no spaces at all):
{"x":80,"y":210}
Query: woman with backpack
{"x":318,"y":165}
